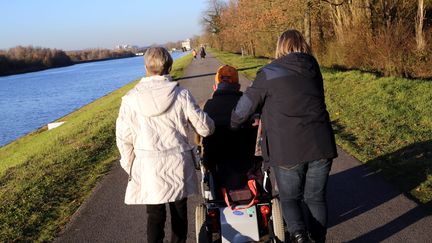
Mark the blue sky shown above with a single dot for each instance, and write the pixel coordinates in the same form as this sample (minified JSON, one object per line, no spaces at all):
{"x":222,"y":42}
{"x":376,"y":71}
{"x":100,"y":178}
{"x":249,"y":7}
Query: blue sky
{"x":80,"y":24}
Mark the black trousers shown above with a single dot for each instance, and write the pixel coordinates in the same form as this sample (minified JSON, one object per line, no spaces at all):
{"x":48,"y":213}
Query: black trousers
{"x":156,"y":217}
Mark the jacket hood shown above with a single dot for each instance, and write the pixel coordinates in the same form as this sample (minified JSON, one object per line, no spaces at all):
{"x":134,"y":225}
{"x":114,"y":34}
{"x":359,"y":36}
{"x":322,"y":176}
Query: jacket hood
{"x":301,"y":63}
{"x":152,"y":96}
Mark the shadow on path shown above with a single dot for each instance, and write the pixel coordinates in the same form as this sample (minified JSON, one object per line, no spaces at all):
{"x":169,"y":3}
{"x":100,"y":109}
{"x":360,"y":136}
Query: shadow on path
{"x":413,"y":164}
{"x":391,"y":228}
{"x":212,"y":74}
{"x":356,"y":191}
{"x":195,"y":76}
{"x":360,"y":190}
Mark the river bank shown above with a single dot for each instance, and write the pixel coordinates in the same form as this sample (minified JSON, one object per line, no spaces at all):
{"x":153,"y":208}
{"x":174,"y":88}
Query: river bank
{"x":29,"y":101}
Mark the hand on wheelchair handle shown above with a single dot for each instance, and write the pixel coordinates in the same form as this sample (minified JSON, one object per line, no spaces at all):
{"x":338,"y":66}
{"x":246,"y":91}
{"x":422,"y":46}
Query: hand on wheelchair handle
{"x":196,"y":157}
{"x":265,"y":167}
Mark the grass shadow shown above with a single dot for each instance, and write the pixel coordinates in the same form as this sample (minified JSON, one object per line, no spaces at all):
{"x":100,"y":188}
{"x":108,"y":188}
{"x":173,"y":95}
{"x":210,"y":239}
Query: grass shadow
{"x":335,"y":68}
{"x":341,"y":131}
{"x":408,"y":168}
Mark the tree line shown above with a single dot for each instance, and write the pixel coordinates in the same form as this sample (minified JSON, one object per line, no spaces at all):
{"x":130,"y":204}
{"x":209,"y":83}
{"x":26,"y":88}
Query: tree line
{"x":391,"y":37}
{"x":22,"y":59}
{"x":98,"y":54}
{"x":25,"y":59}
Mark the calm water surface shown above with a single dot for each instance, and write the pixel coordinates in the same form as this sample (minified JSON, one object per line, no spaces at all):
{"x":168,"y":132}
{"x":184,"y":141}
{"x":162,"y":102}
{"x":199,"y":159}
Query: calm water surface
{"x":29,"y":101}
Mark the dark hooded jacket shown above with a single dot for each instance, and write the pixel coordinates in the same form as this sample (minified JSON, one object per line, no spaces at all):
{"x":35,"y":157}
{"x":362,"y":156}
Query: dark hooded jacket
{"x":289,"y":94}
{"x":229,"y":154}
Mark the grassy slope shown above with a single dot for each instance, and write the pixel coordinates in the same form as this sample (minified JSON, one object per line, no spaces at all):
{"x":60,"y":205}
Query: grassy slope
{"x":386,"y":122}
{"x":46,"y":175}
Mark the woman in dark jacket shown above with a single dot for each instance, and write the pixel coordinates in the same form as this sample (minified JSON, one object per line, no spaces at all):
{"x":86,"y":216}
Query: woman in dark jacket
{"x":298,"y":140}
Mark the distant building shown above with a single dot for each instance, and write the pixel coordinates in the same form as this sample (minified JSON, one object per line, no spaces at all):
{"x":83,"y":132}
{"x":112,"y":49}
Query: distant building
{"x":186,"y":44}
{"x":125,"y":47}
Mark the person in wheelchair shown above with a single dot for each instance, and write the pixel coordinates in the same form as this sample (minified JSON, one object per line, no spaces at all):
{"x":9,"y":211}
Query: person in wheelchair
{"x":238,"y":202}
{"x":227,"y":154}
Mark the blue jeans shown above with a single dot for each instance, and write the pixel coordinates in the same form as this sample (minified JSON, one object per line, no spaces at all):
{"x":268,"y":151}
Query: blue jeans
{"x":302,"y":192}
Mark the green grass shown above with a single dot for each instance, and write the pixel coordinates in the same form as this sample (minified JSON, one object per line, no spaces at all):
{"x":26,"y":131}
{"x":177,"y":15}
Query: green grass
{"x":247,"y":65}
{"x":46,"y":175}
{"x":385,"y":122}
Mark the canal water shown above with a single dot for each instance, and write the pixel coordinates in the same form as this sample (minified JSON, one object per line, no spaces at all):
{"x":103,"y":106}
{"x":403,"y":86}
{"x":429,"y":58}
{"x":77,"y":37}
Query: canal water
{"x":29,"y":101}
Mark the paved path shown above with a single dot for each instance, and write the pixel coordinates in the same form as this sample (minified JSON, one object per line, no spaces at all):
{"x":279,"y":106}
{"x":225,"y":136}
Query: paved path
{"x":362,"y":207}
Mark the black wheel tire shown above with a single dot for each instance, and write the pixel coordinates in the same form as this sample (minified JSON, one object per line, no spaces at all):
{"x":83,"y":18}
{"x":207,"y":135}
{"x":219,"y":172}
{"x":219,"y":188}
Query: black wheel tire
{"x":200,"y":224}
{"x":277,"y":221}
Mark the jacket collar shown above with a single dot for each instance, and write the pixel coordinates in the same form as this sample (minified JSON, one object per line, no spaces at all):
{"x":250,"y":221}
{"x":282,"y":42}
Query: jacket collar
{"x":223,"y":92}
{"x":157,"y":78}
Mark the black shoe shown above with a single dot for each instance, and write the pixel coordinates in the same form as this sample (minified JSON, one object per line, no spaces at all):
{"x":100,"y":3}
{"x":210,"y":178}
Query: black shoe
{"x":300,"y":236}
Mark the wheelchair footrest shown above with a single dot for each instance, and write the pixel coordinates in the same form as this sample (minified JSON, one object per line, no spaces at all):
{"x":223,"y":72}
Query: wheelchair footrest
{"x":239,"y":225}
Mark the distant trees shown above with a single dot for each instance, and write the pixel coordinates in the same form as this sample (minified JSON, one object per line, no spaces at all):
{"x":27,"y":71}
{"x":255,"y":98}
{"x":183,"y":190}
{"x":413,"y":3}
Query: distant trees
{"x":249,"y":26}
{"x":98,"y":54}
{"x":173,"y":45}
{"x":389,"y":36}
{"x":212,"y":21}
{"x":22,"y":59}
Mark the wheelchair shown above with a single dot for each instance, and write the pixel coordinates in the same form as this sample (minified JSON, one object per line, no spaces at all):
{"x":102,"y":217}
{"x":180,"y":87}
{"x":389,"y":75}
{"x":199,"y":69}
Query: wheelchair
{"x":246,"y":213}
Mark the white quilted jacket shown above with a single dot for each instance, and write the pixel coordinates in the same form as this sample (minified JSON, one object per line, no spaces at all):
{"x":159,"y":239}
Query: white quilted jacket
{"x":152,"y":130}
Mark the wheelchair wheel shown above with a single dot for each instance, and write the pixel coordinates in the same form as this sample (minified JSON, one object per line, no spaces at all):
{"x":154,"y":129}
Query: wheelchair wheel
{"x":277,"y":221}
{"x":200,"y":224}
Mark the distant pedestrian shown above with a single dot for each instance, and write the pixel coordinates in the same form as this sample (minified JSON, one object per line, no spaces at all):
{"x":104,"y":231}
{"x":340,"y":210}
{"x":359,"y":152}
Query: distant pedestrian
{"x":194,"y":53}
{"x":152,"y":136}
{"x":202,"y":52}
{"x":298,"y":140}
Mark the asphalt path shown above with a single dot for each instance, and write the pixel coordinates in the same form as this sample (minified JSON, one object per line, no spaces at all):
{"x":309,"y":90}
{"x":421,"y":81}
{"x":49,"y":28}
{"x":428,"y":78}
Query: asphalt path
{"x":362,"y":206}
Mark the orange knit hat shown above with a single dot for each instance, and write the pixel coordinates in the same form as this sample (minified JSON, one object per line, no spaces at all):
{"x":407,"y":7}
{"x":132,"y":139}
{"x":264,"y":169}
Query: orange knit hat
{"x":227,"y":74}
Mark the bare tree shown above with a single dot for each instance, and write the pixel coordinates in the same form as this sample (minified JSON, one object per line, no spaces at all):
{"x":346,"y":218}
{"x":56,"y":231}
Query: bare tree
{"x":212,"y":19}
{"x":308,"y":13}
{"x":420,"y":38}
{"x":307,"y":22}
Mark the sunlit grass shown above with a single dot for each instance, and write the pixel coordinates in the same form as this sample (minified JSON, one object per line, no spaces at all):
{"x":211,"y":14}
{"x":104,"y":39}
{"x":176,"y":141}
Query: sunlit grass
{"x":247,"y":65}
{"x":385,"y":122}
{"x":46,"y":175}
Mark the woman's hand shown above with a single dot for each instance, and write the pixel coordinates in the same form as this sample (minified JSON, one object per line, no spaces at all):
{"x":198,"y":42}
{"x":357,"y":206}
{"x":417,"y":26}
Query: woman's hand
{"x":256,"y":119}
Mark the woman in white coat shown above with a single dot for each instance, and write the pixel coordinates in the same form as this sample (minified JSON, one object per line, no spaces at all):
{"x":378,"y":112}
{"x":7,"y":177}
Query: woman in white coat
{"x":152,"y":136}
